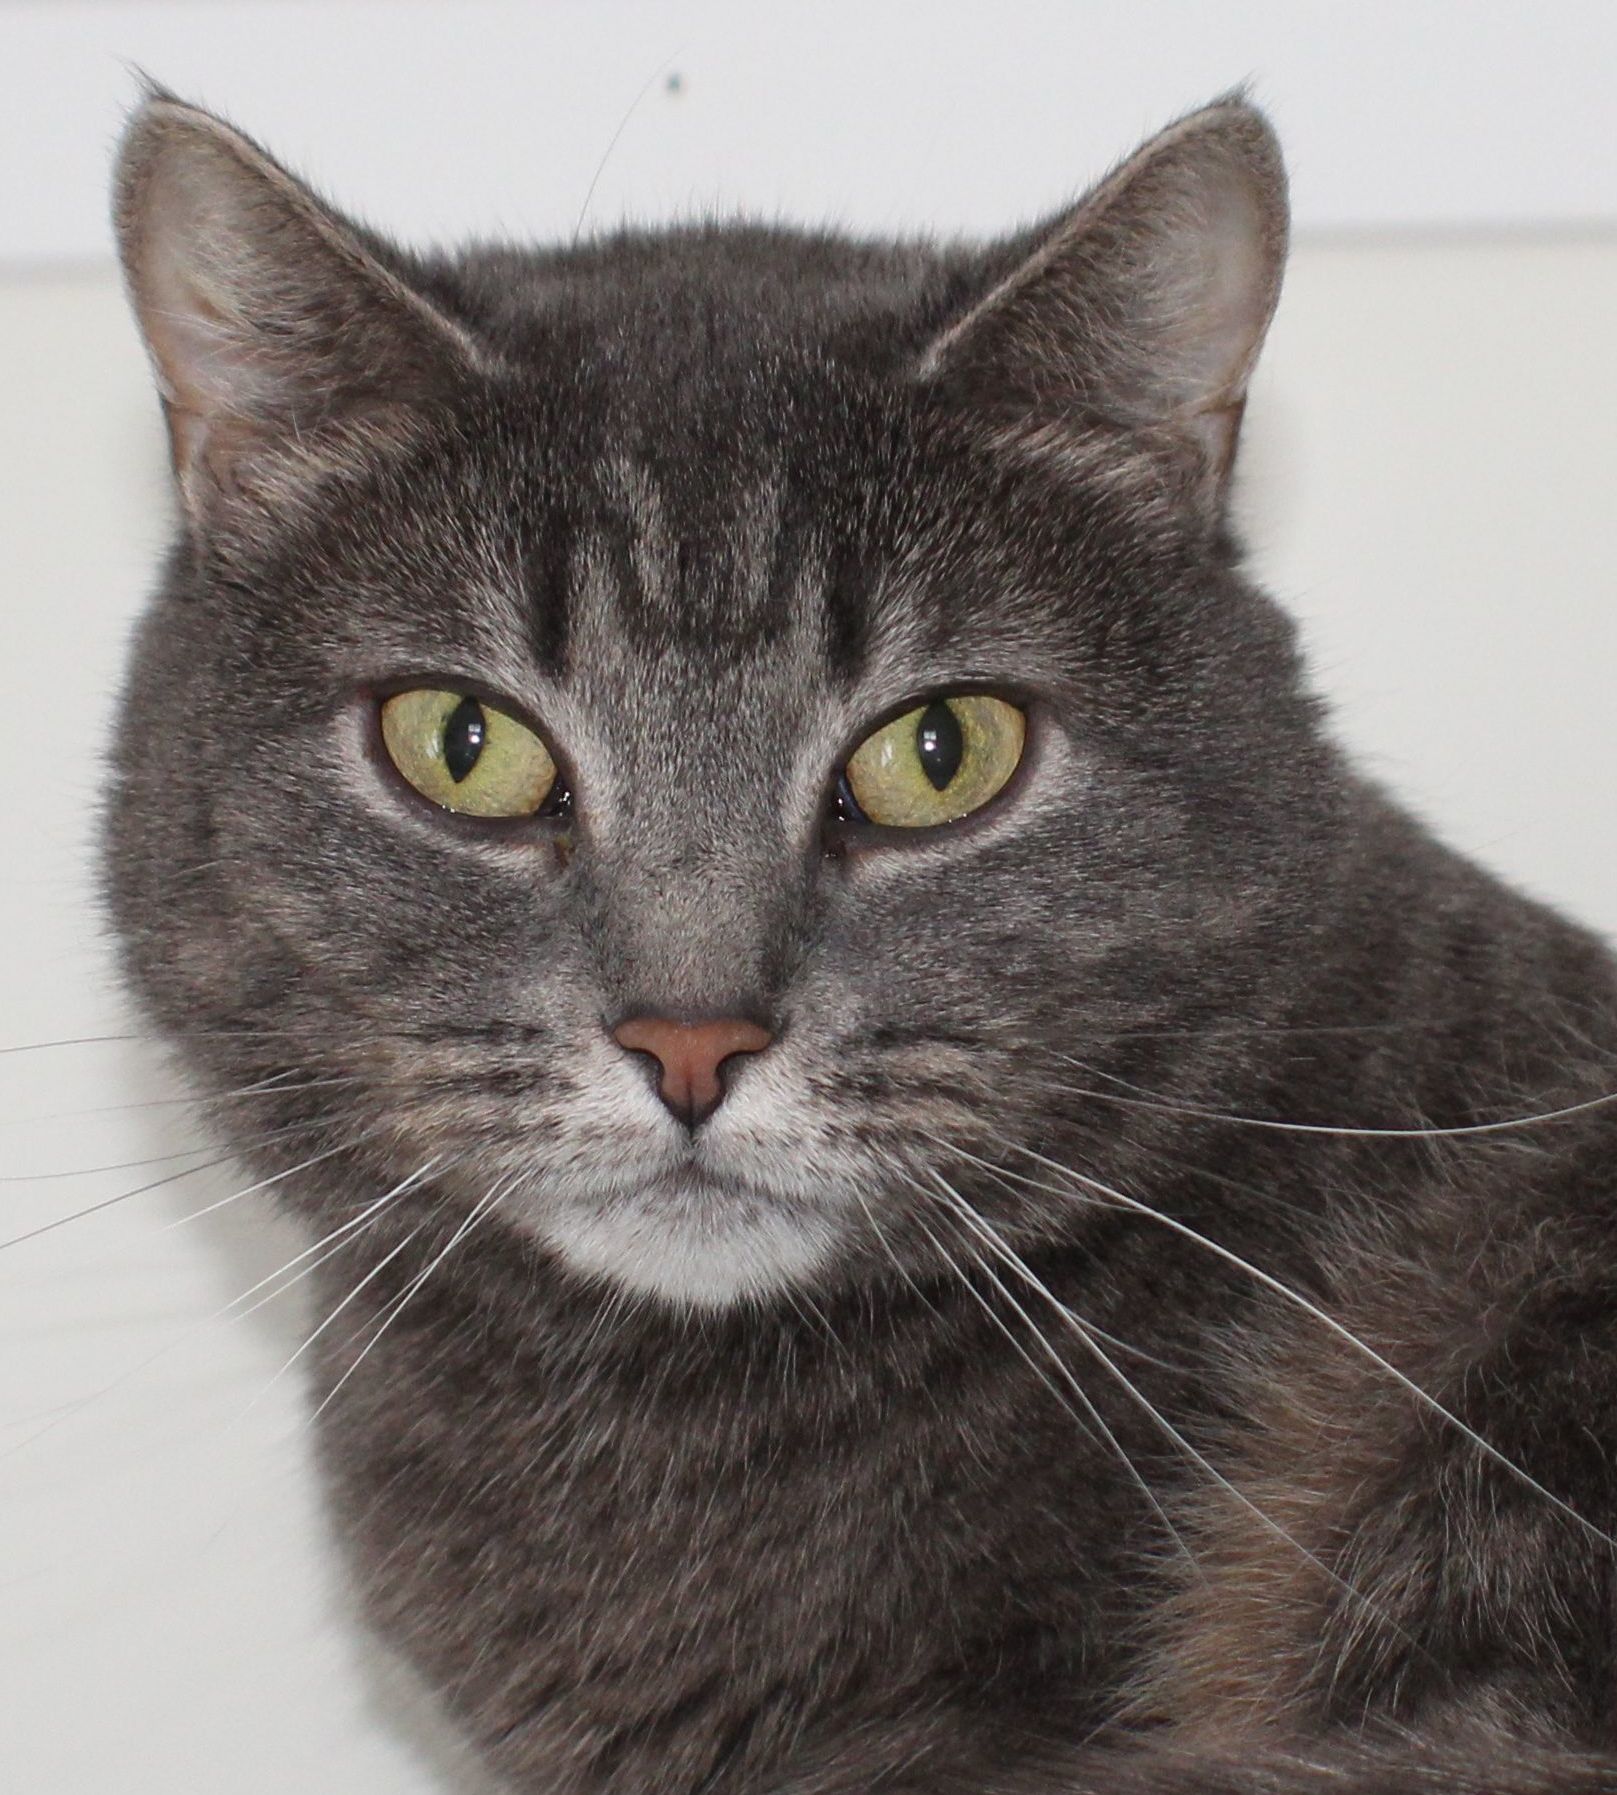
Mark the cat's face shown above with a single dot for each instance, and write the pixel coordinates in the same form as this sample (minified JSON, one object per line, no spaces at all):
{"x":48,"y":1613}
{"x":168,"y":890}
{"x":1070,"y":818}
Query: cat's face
{"x":702,"y":513}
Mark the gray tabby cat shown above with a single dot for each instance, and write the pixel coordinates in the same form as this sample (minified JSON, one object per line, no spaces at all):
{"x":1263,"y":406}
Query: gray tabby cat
{"x":919,"y":1189}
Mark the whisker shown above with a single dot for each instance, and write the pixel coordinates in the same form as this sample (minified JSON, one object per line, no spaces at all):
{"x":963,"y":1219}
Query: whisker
{"x":354,"y":1223}
{"x":612,"y":142}
{"x":1170,"y":1431}
{"x":276,"y":1178}
{"x":157,"y":1040}
{"x":614,"y":1306}
{"x":816,"y":1317}
{"x":70,"y":1041}
{"x":241,"y":1144}
{"x":405,"y":1185}
{"x":140,"y":1190}
{"x":1016,"y":1345}
{"x":1308,"y":1307}
{"x":1255,"y":1026}
{"x":887,"y":1246}
{"x":230,"y":1311}
{"x":398,"y":1306}
{"x":275,"y":1086}
{"x":1156,"y":1101}
{"x":1253,"y":1193}
{"x":1005,"y":1181}
{"x":957,"y":1203}
{"x":79,"y":1215}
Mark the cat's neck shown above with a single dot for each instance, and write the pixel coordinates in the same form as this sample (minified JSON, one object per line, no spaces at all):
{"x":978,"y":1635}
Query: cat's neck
{"x":1457,"y":1000}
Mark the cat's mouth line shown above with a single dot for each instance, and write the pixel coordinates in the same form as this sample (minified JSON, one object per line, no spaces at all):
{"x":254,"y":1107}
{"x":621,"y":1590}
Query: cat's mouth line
{"x":684,"y":1185}
{"x":692,"y":1183}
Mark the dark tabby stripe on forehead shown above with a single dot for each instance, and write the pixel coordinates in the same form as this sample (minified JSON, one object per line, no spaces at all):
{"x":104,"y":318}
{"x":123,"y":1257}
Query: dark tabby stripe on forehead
{"x":551,"y":571}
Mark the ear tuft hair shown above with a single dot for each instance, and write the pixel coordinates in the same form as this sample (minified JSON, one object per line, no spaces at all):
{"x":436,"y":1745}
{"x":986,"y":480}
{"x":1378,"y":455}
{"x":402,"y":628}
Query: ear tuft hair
{"x":1144,"y":306}
{"x":268,"y":316}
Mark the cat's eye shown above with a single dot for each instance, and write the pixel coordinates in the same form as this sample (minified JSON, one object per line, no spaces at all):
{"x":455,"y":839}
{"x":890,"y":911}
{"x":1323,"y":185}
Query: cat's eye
{"x":468,"y":755}
{"x":938,"y":762}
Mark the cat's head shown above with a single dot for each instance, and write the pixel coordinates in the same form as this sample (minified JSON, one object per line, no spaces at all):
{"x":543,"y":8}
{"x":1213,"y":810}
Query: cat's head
{"x":806,"y":678}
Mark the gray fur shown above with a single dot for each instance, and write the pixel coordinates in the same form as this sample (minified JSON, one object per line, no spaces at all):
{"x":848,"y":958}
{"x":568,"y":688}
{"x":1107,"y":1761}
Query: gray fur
{"x":740,"y":1461}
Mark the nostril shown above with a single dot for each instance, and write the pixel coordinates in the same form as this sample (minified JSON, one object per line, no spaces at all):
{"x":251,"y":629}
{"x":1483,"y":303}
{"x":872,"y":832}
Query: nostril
{"x":691,"y":1055}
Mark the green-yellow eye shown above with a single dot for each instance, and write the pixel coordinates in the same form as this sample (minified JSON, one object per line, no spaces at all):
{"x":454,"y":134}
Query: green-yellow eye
{"x":466,"y":755}
{"x":940,"y":761}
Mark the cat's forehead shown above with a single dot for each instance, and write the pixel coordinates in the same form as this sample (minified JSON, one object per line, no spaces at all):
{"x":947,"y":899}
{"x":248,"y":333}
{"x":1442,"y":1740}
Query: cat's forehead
{"x":703,"y":562}
{"x":665,"y":616}
{"x":770,"y":535}
{"x":808,"y":560}
{"x":715,"y":594}
{"x":702,"y":485}
{"x":662,"y":307}
{"x":715,"y":458}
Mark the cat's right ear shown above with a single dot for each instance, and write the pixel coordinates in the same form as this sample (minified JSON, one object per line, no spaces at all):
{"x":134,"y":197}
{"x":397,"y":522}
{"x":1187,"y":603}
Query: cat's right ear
{"x":272,"y":324}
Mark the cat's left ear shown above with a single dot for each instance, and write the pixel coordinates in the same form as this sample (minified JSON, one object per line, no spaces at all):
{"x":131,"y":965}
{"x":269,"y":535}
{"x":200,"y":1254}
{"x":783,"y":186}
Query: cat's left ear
{"x":1144,"y":307}
{"x":273,"y":323}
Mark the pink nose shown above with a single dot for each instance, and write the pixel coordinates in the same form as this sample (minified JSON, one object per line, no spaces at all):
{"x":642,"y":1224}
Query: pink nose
{"x":691,"y":1054}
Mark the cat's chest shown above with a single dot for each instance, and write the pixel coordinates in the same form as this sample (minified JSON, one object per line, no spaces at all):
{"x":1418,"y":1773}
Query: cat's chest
{"x":679,"y":1570}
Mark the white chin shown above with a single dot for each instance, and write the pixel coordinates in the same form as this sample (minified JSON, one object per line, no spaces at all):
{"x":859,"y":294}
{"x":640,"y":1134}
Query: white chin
{"x":693,"y":1244}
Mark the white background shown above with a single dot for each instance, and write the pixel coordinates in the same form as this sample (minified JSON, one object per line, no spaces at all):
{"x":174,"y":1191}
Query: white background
{"x":448,"y":117}
{"x":1428,"y":479}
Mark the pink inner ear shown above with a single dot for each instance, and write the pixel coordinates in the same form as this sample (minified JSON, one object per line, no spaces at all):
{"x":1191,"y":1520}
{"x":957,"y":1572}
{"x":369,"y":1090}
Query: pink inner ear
{"x":265,"y":312}
{"x":209,"y":367}
{"x":1146,"y":305}
{"x":197,"y":355}
{"x":1232,"y":294}
{"x":1227,"y":299}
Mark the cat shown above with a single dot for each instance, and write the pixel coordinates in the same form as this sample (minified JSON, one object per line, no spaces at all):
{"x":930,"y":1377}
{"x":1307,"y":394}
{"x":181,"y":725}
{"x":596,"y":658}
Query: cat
{"x":914,"y":1185}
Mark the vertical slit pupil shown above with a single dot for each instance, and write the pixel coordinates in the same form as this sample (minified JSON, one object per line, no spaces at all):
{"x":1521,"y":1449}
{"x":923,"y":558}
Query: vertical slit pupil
{"x":939,"y":744}
{"x":465,"y":732}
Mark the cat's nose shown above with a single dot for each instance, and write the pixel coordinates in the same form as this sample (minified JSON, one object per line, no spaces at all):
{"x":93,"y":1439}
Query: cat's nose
{"x":691,"y":1055}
